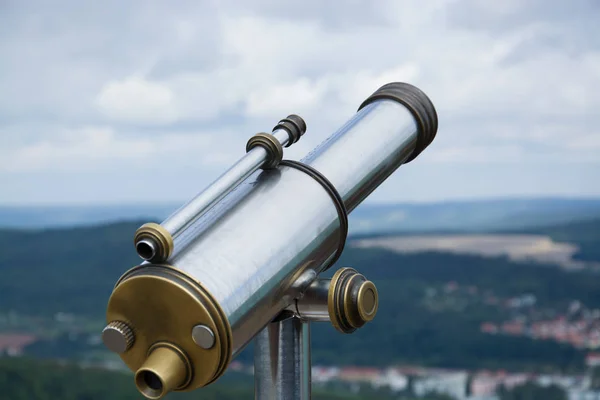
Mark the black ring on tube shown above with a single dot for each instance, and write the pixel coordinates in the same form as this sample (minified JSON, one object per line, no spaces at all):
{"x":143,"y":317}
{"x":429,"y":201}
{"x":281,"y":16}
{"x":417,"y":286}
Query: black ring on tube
{"x":419,"y":105}
{"x":294,"y":125}
{"x":335,"y":196}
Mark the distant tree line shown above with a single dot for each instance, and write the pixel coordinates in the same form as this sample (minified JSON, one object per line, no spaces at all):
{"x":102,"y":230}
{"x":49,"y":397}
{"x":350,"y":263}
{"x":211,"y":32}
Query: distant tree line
{"x":74,"y":270}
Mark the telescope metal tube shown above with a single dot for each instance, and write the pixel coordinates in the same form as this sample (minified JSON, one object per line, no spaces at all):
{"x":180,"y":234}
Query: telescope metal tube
{"x":282,"y":368}
{"x":314,"y":303}
{"x":183,"y":217}
{"x":249,"y":248}
{"x":286,"y":132}
{"x":250,"y":255}
{"x":391,"y":128}
{"x":241,"y":170}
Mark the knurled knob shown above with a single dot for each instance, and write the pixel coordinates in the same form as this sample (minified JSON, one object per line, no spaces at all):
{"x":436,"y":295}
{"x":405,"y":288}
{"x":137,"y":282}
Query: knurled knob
{"x":118,"y":337}
{"x":352,"y":300}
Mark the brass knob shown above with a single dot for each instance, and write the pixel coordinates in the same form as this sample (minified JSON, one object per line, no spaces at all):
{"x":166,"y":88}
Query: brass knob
{"x":118,"y":337}
{"x":367,"y":301}
{"x":352,"y":300}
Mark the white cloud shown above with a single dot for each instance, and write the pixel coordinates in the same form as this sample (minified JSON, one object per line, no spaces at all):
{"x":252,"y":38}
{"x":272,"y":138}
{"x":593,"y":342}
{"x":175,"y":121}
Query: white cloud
{"x":476,"y":154}
{"x":137,"y":100}
{"x":513,"y":84}
{"x":282,"y":98}
{"x":97,"y":149}
{"x":590,"y":141}
{"x":343,"y":91}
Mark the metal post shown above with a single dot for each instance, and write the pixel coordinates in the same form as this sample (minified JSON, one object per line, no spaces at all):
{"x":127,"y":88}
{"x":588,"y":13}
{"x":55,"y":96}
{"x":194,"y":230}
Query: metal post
{"x":282,"y":368}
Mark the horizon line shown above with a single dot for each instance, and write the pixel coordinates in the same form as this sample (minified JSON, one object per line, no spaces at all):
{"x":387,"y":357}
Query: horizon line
{"x":176,"y":203}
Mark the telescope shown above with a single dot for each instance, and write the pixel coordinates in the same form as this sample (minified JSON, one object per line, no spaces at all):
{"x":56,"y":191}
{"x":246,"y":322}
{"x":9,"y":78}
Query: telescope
{"x":241,"y":260}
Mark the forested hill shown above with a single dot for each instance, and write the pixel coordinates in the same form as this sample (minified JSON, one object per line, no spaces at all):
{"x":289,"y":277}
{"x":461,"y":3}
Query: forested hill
{"x":69,"y":270}
{"x":74,"y":270}
{"x":586,"y":234}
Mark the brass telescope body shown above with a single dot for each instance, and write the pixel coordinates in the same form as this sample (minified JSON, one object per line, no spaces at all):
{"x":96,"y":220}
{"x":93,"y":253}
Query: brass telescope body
{"x":255,"y":254}
{"x":170,"y":322}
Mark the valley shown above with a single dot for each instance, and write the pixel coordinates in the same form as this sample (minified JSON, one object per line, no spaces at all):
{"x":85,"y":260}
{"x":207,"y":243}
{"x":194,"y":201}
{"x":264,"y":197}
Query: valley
{"x":523,"y":302}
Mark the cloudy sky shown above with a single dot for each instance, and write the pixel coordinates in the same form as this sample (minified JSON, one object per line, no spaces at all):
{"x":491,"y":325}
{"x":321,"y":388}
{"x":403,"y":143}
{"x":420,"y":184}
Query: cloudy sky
{"x":127,"y":101}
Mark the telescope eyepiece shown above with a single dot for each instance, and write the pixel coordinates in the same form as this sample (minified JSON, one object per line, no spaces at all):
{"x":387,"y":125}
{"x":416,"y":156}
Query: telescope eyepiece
{"x":417,"y":103}
{"x":153,"y":242}
{"x":167,"y":368}
{"x":149,"y":384}
{"x":152,"y":380}
{"x":295,"y":127}
{"x":146,"y":249}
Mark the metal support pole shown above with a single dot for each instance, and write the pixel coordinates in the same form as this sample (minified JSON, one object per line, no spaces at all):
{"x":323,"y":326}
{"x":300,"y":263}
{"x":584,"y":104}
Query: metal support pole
{"x":282,"y":368}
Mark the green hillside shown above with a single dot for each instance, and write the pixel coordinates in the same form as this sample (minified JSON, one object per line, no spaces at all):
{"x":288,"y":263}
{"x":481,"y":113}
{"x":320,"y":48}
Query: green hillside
{"x":74,"y":270}
{"x":584,"y":233}
{"x":71,"y":270}
{"x":413,"y":332}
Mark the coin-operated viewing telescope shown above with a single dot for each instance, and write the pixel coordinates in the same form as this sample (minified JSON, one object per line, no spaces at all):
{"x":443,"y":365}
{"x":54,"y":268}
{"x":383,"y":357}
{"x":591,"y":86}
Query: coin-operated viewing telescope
{"x":241,"y":260}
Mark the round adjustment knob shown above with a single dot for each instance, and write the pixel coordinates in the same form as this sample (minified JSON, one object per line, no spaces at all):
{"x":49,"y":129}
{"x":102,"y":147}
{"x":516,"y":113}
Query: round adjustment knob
{"x":367,"y":301}
{"x":118,"y":337}
{"x":352,"y":300}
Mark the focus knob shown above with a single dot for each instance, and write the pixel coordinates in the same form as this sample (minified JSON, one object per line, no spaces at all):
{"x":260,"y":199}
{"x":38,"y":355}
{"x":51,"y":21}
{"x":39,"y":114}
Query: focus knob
{"x":118,"y":337}
{"x":352,"y":300}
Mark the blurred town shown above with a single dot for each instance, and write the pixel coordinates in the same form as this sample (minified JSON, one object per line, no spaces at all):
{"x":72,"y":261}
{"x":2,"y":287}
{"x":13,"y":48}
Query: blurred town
{"x":414,"y":381}
{"x":510,"y":316}
{"x":574,"y":324}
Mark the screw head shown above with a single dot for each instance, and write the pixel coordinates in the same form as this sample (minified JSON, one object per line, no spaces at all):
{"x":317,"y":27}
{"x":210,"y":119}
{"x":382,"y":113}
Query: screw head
{"x":203,"y":336}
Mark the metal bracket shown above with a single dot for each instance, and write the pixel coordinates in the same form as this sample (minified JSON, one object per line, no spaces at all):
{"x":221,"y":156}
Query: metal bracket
{"x":282,"y":366}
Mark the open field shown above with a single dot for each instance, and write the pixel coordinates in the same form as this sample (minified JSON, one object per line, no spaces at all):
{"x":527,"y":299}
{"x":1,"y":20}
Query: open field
{"x":516,"y":247}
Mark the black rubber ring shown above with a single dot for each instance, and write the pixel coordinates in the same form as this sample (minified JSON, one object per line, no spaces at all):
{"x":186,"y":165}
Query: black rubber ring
{"x":295,"y":127}
{"x":343,"y":284}
{"x":419,"y":105}
{"x":290,"y":128}
{"x":337,"y":200}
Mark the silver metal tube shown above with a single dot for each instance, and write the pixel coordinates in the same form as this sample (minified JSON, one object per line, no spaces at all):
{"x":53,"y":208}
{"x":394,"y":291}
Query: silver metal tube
{"x":313,"y":305}
{"x":249,"y":256}
{"x":366,"y":150}
{"x":282,"y":361}
{"x":246,"y":166}
{"x":250,"y":248}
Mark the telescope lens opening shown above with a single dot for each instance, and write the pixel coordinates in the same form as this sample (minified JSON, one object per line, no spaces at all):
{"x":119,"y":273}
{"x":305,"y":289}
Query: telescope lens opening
{"x":145,"y":250}
{"x":152,"y":381}
{"x":149,"y":384}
